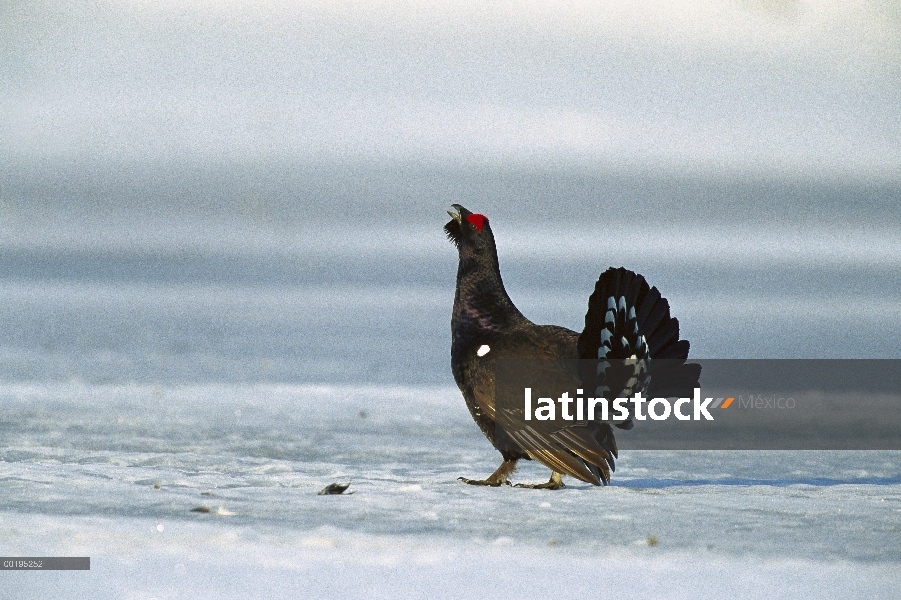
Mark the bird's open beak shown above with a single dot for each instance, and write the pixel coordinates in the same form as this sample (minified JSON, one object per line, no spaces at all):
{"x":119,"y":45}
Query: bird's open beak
{"x":456,"y":216}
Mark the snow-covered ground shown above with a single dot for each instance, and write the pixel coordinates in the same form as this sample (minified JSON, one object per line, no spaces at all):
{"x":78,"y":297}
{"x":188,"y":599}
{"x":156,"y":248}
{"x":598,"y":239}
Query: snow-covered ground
{"x":141,"y":379}
{"x":114,"y":472}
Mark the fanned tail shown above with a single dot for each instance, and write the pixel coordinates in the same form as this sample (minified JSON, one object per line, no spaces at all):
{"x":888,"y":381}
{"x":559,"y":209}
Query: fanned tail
{"x":628,"y":328}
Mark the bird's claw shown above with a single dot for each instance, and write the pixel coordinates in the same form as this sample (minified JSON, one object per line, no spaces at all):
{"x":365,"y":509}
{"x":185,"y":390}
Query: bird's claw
{"x":550,"y":485}
{"x":484,"y":482}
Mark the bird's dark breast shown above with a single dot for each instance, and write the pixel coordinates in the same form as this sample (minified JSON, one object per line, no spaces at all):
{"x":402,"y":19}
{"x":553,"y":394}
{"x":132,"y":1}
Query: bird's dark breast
{"x":472,"y":318}
{"x":475,"y":377}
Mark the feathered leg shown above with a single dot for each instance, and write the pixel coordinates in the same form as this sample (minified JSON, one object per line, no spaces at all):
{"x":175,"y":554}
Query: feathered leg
{"x":497,"y":478}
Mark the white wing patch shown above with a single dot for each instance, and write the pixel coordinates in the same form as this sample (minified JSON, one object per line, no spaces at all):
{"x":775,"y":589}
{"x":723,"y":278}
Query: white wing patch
{"x":483,"y":350}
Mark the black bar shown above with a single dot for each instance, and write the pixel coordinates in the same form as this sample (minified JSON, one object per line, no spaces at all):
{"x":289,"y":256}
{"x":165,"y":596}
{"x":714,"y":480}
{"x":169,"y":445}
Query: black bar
{"x":778,"y":404}
{"x":45,"y":563}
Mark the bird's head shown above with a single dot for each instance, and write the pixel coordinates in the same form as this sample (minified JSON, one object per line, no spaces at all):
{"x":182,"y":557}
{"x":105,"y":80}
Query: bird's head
{"x":468,"y":230}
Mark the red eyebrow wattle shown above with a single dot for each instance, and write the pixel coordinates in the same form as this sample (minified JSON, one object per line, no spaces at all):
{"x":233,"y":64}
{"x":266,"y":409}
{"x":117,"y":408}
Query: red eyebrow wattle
{"x":478,"y":221}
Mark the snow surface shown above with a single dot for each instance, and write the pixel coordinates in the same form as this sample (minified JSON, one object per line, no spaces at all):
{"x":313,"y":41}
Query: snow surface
{"x":114,"y":471}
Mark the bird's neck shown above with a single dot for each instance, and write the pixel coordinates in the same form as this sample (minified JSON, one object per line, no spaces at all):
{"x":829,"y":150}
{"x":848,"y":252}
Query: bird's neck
{"x":481,"y":302}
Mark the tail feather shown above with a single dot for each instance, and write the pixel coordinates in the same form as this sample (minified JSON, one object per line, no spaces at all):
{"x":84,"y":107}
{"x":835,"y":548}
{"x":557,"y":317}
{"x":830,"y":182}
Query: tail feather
{"x":658,"y":317}
{"x":648,"y":302}
{"x":629,"y":322}
{"x":624,"y":306}
{"x":676,"y":349}
{"x":666,"y":334}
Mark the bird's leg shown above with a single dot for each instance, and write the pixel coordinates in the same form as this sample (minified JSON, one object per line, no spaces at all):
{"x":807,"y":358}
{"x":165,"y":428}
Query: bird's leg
{"x":555,"y":483}
{"x":497,"y":478}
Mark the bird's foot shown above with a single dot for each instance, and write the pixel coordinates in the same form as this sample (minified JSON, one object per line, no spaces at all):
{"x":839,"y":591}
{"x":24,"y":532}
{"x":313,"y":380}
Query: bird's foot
{"x":489,"y":482}
{"x":555,"y":483}
{"x":550,"y":485}
{"x":496,"y":479}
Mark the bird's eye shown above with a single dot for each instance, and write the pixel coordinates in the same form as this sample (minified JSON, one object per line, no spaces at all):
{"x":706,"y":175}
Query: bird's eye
{"x":472,"y":226}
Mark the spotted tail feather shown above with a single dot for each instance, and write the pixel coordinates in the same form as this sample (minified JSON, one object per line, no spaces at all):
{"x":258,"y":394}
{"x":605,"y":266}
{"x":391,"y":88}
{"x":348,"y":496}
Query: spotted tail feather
{"x":627,"y":327}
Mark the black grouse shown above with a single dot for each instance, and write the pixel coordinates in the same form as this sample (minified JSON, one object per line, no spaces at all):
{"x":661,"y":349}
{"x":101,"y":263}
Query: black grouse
{"x":626,"y":319}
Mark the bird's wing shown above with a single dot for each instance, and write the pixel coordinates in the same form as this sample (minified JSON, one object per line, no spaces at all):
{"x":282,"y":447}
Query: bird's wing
{"x":571,"y":450}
